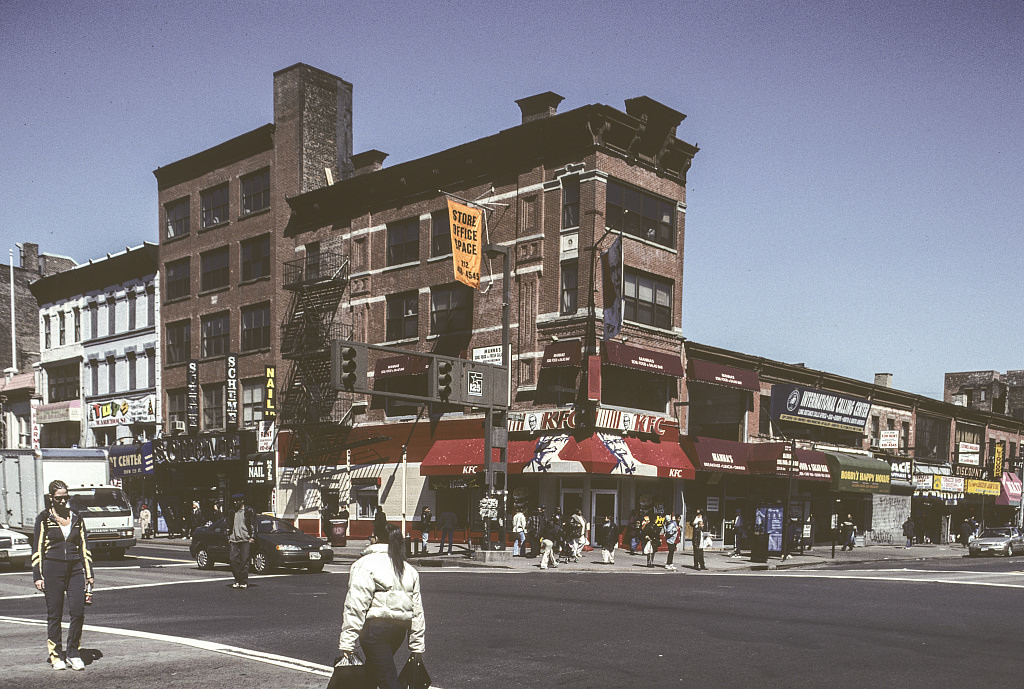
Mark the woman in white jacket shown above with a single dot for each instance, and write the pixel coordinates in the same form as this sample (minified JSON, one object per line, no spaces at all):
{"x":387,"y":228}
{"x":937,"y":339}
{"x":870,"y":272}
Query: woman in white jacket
{"x":382,"y":607}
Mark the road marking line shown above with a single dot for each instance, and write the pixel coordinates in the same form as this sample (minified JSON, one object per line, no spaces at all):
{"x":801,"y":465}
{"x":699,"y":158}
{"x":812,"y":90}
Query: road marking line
{"x":296,"y":664}
{"x":889,"y":580}
{"x":149,"y":585}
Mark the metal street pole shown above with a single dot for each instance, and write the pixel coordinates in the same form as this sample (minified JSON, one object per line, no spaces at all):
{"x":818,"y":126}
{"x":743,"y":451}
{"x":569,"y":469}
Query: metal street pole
{"x":492,"y":250}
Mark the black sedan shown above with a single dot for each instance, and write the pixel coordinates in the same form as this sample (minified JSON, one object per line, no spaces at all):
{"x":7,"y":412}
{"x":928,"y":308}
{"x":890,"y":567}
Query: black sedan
{"x":277,"y":544}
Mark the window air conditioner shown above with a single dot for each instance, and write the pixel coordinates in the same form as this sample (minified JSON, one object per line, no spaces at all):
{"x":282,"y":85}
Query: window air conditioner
{"x":179,"y":426}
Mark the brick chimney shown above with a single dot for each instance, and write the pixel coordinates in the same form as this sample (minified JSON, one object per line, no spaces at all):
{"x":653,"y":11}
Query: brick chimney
{"x":883,"y":380}
{"x":30,"y":256}
{"x":540,"y":106}
{"x":368,"y":161}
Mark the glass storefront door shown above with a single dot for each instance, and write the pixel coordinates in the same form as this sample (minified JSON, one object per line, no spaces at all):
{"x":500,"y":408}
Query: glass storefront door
{"x":603,"y":502}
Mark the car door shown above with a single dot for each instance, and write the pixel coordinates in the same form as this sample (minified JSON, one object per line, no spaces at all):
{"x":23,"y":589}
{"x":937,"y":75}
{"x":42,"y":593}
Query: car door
{"x":218,"y":540}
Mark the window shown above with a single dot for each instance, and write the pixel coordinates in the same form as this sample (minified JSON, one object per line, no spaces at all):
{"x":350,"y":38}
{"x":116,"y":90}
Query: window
{"x":131,"y":310}
{"x":179,"y":341}
{"x":715,"y":411}
{"x":875,"y":430}
{"x":94,"y":320}
{"x":313,"y":261}
{"x":557,"y":385}
{"x":366,"y":501}
{"x":403,"y":385}
{"x":256,"y":327}
{"x":94,"y":370}
{"x":571,"y":201}
{"x":62,"y":327}
{"x":403,"y":241}
{"x":47,"y":341}
{"x":632,"y":389}
{"x":214,"y":269}
{"x":256,"y":258}
{"x":764,"y":417}
{"x":78,"y":324}
{"x":216,"y":331}
{"x":440,"y":234}
{"x":214,"y":204}
{"x":252,"y":401}
{"x":62,"y":382}
{"x":151,"y":368}
{"x":111,"y":375}
{"x":647,"y":299}
{"x":932,"y":438}
{"x":403,"y":316}
{"x":213,"y":406}
{"x":177,"y":406}
{"x":905,"y":436}
{"x":640,"y":214}
{"x":256,"y":192}
{"x":111,"y":314}
{"x":451,"y":308}
{"x":570,"y":288}
{"x":132,"y":366}
{"x":176,"y":216}
{"x":150,"y":305}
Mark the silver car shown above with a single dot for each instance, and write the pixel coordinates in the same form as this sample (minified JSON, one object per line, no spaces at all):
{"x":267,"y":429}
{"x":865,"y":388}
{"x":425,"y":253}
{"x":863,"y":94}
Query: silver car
{"x":14,"y":548}
{"x":1002,"y":540}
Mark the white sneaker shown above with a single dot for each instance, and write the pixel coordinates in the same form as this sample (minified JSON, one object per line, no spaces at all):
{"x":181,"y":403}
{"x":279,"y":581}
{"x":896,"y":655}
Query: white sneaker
{"x":76,"y":663}
{"x":58,"y":664}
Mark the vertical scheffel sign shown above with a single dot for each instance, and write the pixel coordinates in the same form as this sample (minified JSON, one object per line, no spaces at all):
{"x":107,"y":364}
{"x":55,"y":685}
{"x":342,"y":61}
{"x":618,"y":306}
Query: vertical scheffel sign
{"x":466,"y":228}
{"x":192,"y":404}
{"x":231,"y":391}
{"x":270,"y":394}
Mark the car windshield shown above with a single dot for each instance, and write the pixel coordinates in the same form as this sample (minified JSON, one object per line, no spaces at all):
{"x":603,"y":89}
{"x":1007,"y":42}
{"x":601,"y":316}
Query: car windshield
{"x":267,"y":525}
{"x":995,"y":533}
{"x":96,"y":502}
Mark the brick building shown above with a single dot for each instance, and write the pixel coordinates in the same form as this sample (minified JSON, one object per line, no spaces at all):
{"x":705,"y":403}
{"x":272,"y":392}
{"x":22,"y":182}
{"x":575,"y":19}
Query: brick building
{"x":222,"y":215}
{"x":993,"y":391}
{"x":593,"y":421}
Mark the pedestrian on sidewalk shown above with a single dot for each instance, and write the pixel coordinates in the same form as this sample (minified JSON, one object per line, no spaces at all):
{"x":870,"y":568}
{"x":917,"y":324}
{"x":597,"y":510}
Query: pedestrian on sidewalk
{"x":608,"y":538}
{"x":242,"y":536}
{"x":61,"y":569}
{"x":908,"y":532}
{"x":577,"y":537}
{"x":146,"y":522}
{"x":519,"y":533}
{"x":448,"y":523}
{"x":549,"y":536}
{"x":650,"y":534}
{"x":534,"y":526}
{"x":671,"y":531}
{"x":633,"y":532}
{"x":382,"y":607}
{"x":426,"y":517}
{"x":848,"y":531}
{"x":739,"y":532}
{"x":697,"y":540}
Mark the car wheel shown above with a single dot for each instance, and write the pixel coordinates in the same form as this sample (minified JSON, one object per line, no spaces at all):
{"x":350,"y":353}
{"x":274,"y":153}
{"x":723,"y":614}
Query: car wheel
{"x":317,"y":567}
{"x":203,"y":559}
{"x":260,"y":563}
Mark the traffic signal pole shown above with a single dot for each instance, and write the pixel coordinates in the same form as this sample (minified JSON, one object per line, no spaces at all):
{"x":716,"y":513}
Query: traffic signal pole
{"x":492,"y":250}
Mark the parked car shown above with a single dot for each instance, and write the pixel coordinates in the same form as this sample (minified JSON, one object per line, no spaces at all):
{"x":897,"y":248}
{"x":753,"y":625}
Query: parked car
{"x":15,"y":549}
{"x":277,"y":544}
{"x":1004,"y":540}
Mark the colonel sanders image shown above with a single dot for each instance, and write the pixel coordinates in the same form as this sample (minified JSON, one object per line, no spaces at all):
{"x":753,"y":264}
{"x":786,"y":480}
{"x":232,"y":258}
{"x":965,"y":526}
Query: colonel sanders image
{"x":624,"y":461}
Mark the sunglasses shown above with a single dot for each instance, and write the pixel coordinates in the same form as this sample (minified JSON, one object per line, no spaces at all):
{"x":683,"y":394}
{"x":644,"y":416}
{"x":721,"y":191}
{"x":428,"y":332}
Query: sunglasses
{"x":60,"y":498}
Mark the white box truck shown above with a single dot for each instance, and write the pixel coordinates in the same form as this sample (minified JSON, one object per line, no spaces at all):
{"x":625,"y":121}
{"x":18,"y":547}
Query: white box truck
{"x":105,"y":509}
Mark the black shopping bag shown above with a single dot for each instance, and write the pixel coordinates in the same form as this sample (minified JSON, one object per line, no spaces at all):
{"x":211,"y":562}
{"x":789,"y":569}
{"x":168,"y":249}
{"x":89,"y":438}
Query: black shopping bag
{"x":414,"y":675}
{"x":353,"y":676}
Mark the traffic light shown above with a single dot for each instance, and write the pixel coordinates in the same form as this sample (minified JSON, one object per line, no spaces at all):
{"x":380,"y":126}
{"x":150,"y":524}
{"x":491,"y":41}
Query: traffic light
{"x":448,"y":380}
{"x":348,"y":365}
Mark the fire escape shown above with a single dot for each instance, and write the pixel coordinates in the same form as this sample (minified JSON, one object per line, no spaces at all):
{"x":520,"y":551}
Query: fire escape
{"x":318,"y":417}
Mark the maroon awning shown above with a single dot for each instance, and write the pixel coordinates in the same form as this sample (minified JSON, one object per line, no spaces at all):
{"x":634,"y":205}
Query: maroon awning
{"x":664,"y":363}
{"x":563,"y":353}
{"x":725,"y":376}
{"x":777,"y":459}
{"x":401,"y":365}
{"x":711,"y":454}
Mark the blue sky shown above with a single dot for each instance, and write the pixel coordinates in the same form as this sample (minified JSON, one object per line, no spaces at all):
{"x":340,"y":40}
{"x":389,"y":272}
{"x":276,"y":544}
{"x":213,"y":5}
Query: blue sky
{"x":856,"y":204}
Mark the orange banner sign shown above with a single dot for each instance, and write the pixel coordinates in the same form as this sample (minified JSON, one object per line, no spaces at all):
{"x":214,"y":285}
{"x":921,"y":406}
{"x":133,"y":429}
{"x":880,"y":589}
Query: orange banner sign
{"x":466,"y":228}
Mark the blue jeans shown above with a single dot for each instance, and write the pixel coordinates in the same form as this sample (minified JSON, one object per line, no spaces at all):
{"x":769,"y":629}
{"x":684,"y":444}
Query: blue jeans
{"x":380,"y":640}
{"x":517,"y":544}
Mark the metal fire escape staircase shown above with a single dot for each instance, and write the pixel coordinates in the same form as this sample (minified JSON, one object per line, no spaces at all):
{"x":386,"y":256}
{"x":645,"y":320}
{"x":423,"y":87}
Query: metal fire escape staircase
{"x":318,"y":417}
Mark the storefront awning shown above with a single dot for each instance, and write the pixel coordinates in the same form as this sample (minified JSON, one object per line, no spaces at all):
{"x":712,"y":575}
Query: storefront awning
{"x":711,"y":454}
{"x":454,"y":456}
{"x":563,"y":353}
{"x":725,"y":376}
{"x":626,"y":356}
{"x":1010,"y":490}
{"x":777,"y":459}
{"x":401,"y":365}
{"x":668,"y":457}
{"x":548,"y":454}
{"x":858,"y":473}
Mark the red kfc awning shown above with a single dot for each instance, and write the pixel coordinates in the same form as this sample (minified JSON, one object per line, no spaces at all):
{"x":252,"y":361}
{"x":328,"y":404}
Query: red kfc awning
{"x":454,"y":456}
{"x":667,"y":457}
{"x":724,"y":376}
{"x":626,"y":356}
{"x":711,"y":454}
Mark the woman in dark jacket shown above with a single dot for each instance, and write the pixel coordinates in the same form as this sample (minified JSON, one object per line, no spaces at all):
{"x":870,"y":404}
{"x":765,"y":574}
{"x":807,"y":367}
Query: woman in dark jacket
{"x":61,"y":567}
{"x":699,"y":527}
{"x":650,"y":534}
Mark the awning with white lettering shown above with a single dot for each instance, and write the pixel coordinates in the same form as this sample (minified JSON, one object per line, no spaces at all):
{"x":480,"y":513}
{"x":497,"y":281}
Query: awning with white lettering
{"x":401,"y":365}
{"x":626,"y":356}
{"x":562,"y":354}
{"x":858,"y":473}
{"x":779,"y":459}
{"x":725,"y":376}
{"x":712,"y":454}
{"x":1010,"y":491}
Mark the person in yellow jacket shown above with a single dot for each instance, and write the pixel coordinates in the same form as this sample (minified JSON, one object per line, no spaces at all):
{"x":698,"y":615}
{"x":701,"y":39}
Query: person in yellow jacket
{"x":61,"y":568}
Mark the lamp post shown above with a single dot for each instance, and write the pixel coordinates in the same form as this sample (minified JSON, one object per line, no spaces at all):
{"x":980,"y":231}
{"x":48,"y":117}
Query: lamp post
{"x":491,"y":251}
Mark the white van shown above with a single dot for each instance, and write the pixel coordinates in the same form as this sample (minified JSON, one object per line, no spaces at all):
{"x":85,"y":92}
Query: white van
{"x":108,"y":518}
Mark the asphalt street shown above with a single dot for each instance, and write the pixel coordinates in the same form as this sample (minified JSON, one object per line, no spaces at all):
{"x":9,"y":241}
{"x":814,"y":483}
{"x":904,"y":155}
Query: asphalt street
{"x":885,"y":617}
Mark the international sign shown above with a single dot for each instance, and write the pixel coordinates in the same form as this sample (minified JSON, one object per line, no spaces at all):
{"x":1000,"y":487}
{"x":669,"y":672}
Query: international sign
{"x":798,"y":404}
